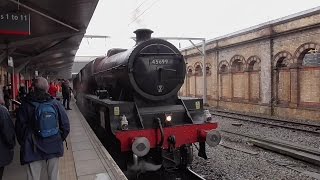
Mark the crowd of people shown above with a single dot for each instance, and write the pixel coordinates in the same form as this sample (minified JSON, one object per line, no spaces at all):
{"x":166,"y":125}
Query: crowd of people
{"x":59,"y":90}
{"x":40,"y":128}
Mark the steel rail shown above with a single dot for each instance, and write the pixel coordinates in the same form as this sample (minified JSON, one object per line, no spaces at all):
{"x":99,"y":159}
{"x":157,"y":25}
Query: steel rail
{"x":265,"y":123}
{"x":193,"y":175}
{"x":268,"y":118}
{"x":283,"y":143}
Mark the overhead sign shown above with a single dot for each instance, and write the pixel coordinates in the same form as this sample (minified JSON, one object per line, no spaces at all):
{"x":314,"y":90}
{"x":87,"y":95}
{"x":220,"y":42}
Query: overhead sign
{"x":15,"y":23}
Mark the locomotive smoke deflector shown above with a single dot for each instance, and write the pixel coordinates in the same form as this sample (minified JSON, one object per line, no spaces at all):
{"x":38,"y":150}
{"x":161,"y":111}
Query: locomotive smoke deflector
{"x":142,"y":35}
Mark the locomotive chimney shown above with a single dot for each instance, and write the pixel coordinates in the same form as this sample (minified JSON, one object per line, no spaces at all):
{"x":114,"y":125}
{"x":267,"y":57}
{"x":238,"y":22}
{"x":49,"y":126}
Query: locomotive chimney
{"x":142,"y":35}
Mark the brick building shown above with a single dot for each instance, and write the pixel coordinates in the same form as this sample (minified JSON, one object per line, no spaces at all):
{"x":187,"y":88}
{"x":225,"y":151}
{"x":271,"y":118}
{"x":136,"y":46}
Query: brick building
{"x":272,"y":68}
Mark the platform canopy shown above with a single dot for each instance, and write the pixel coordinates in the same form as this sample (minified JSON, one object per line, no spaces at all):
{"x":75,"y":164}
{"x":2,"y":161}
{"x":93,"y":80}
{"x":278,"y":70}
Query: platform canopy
{"x":56,"y":30}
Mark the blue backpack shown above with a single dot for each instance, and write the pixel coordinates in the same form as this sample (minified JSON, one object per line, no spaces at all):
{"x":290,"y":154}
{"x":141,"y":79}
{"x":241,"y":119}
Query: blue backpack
{"x":46,"y":119}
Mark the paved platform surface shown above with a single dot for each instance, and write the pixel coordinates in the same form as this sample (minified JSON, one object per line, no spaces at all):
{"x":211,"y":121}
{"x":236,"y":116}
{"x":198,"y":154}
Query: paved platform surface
{"x":85,"y":159}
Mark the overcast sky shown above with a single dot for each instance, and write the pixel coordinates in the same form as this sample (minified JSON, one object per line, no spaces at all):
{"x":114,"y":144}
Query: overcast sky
{"x":180,"y":18}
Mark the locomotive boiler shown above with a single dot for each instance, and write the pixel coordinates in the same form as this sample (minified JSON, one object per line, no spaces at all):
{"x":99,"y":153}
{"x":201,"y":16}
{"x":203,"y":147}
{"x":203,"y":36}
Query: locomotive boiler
{"x":133,"y":95}
{"x":153,"y":70}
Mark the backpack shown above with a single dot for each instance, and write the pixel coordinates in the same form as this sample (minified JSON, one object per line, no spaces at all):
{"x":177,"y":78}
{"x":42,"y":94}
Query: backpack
{"x":46,"y":119}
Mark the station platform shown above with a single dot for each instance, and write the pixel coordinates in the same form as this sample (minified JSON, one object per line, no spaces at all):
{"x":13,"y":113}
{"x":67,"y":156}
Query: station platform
{"x":85,"y":159}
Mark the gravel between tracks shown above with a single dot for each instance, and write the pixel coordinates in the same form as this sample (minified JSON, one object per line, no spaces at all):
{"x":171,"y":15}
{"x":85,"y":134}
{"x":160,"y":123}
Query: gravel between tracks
{"x":225,"y":163}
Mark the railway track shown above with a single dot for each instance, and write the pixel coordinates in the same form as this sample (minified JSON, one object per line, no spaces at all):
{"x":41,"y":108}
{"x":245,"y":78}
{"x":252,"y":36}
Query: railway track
{"x":298,"y":126}
{"x":191,"y":175}
{"x":297,"y":151}
{"x":185,"y":174}
{"x":178,"y":174}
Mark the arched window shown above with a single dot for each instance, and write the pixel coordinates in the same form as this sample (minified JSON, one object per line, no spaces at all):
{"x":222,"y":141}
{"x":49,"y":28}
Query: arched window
{"x":224,"y":80}
{"x":237,"y":66}
{"x":237,"y":63}
{"x":223,"y":68}
{"x":305,"y":52}
{"x":253,"y":66}
{"x":208,"y":69}
{"x":282,"y":63}
{"x":190,"y":72}
{"x":311,"y":58}
{"x":307,"y":55}
{"x":282,"y":60}
{"x":198,"y":69}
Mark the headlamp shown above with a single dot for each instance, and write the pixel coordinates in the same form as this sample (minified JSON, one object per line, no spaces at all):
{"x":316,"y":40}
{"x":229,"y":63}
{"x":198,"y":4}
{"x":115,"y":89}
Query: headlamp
{"x":168,"y":117}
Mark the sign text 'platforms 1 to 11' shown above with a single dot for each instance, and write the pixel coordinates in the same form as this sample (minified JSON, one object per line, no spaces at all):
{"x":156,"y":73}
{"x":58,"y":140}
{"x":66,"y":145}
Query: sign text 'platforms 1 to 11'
{"x":15,"y":23}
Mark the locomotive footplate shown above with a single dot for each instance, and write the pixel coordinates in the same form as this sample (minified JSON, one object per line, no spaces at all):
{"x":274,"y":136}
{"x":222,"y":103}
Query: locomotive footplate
{"x":185,"y":134}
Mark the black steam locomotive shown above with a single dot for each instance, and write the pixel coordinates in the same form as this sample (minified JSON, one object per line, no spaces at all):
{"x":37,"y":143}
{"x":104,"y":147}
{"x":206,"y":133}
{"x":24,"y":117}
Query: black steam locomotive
{"x":133,"y":95}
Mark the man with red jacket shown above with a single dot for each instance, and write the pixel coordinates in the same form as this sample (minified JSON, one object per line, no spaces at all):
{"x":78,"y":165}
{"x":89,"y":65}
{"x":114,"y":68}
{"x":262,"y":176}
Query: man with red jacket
{"x":52,"y":90}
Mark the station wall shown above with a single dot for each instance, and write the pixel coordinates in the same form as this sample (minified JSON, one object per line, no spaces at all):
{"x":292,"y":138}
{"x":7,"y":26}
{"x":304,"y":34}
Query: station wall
{"x":262,"y":69}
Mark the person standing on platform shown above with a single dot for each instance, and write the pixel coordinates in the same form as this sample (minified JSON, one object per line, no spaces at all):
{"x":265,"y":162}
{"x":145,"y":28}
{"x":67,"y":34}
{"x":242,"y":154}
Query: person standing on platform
{"x":41,"y":127}
{"x":59,"y":91}
{"x":22,"y":92}
{"x":6,"y":96}
{"x":66,"y":93}
{"x":53,"y":90}
{"x":7,"y":137}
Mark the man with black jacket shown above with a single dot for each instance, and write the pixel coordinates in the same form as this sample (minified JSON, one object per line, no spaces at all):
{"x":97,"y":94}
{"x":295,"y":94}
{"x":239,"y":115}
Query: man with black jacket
{"x":39,"y":146}
{"x":66,"y":93}
{"x":7,"y":137}
{"x":6,"y":96}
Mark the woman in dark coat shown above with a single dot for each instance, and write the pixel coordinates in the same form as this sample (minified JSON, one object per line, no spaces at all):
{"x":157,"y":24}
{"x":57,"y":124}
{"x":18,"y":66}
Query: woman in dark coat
{"x":6,"y":96}
{"x":7,"y":137}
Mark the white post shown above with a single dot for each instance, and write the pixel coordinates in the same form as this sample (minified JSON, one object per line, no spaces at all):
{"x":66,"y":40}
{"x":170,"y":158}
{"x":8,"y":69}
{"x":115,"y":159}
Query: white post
{"x":13,"y":85}
{"x":11,"y":64}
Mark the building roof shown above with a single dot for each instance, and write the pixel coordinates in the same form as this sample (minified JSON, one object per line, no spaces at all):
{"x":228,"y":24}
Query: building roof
{"x":282,"y":20}
{"x":57,"y":28}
